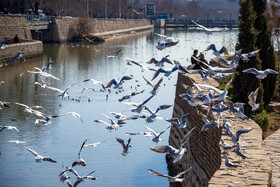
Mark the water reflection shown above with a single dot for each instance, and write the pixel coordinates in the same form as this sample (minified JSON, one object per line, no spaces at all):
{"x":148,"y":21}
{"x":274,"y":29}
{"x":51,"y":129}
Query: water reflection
{"x":75,"y":62}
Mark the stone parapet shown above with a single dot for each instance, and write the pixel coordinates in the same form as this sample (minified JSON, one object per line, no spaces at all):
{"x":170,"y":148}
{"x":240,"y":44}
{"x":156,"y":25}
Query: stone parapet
{"x":31,"y":49}
{"x":203,"y":151}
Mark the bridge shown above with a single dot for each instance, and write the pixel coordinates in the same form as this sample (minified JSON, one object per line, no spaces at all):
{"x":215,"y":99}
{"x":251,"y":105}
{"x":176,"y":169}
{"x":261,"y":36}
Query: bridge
{"x":207,"y":23}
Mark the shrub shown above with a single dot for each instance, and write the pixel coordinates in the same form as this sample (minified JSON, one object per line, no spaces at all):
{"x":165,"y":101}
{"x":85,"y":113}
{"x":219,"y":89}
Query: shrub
{"x":262,"y":119}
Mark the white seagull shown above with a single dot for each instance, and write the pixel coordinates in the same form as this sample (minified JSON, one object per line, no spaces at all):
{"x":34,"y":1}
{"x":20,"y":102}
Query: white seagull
{"x":125,"y":146}
{"x":45,"y":74}
{"x":260,"y":74}
{"x":176,"y":178}
{"x":157,"y":135}
{"x":39,"y":158}
{"x":253,"y":99}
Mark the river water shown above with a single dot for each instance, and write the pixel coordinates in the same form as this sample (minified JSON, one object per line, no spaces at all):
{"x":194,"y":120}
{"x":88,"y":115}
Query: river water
{"x":73,"y":63}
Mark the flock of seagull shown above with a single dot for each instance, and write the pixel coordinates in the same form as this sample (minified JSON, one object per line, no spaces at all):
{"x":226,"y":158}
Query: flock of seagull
{"x":209,"y":97}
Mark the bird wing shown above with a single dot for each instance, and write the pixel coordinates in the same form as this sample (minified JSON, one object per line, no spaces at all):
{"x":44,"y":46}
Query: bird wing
{"x":148,"y":82}
{"x":22,"y":105}
{"x":242,"y":131}
{"x":211,"y":46}
{"x":163,"y":107}
{"x":211,"y":87}
{"x":164,"y":130}
{"x":160,"y":70}
{"x":109,"y":84}
{"x":101,"y":121}
{"x":151,"y":130}
{"x":147,"y":100}
{"x":271,"y":71}
{"x":32,"y":151}
{"x":158,"y":83}
{"x":81,"y":148}
{"x":251,"y":70}
{"x":158,"y":174}
{"x":224,"y":50}
{"x":229,"y":82}
{"x":137,"y":92}
{"x":173,"y":120}
{"x":55,"y":89}
{"x":182,"y":173}
{"x":201,"y":26}
{"x":253,"y":53}
{"x":3,"y":42}
{"x":121,"y":142}
{"x":163,"y":36}
{"x":186,"y":137}
{"x":163,"y":149}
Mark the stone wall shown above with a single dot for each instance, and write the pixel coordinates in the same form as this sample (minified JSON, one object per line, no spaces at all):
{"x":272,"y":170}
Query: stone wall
{"x":203,"y":151}
{"x":10,"y":25}
{"x":63,"y":29}
{"x":31,"y":49}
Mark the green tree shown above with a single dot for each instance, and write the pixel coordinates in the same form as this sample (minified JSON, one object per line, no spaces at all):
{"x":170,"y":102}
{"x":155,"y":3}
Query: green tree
{"x":244,"y":83}
{"x":267,"y":53}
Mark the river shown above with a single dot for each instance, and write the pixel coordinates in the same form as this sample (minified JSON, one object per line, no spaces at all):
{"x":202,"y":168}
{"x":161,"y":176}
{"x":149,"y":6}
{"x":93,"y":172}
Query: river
{"x":73,"y":63}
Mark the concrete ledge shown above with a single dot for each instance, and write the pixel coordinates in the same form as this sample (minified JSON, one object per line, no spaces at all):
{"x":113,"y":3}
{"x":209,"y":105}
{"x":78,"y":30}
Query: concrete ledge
{"x":109,"y":33}
{"x":31,"y":49}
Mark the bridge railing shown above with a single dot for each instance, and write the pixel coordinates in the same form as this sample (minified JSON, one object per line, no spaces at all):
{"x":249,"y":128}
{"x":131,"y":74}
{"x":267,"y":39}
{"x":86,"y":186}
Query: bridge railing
{"x":40,"y":17}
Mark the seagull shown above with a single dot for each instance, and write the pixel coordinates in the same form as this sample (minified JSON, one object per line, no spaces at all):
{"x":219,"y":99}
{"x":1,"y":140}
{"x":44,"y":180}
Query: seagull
{"x":246,"y":56}
{"x":141,"y":65}
{"x":46,"y":120}
{"x":113,"y":125}
{"x":184,"y":121}
{"x":41,"y":72}
{"x":65,"y":177}
{"x":3,"y":42}
{"x":62,"y":93}
{"x":235,"y":138}
{"x":79,"y":177}
{"x":43,"y":84}
{"x":39,"y":158}
{"x":31,"y":110}
{"x":208,"y":31}
{"x":151,"y":118}
{"x":155,"y":87}
{"x":176,"y":178}
{"x":160,"y":46}
{"x":253,"y":99}
{"x":130,"y":95}
{"x":95,"y":82}
{"x":219,"y":108}
{"x":239,"y":151}
{"x":226,"y":147}
{"x":81,"y":161}
{"x":4,"y":104}
{"x":17,"y":56}
{"x":86,"y":89}
{"x":121,"y":117}
{"x":9,"y":128}
{"x":216,"y":52}
{"x":139,"y":106}
{"x":236,"y":108}
{"x":16,"y":141}
{"x":76,"y":115}
{"x":209,"y":124}
{"x":167,"y":72}
{"x":125,"y":147}
{"x":176,"y":153}
{"x":113,"y":81}
{"x":260,"y":74}
{"x":156,"y":137}
{"x":94,"y":144}
{"x":189,"y":99}
{"x":168,"y":41}
{"x":116,"y":55}
{"x":228,"y":163}
{"x":161,"y":62}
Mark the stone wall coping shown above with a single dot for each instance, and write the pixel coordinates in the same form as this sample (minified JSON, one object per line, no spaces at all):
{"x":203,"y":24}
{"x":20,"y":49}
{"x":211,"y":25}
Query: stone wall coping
{"x":102,"y":34}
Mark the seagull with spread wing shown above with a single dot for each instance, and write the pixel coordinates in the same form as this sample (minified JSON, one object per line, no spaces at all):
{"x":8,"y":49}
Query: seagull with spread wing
{"x":157,"y":135}
{"x":260,"y":74}
{"x":253,"y":99}
{"x":181,"y":124}
{"x":176,"y":178}
{"x":177,"y":154}
{"x":117,"y":84}
{"x":17,"y":56}
{"x":3,"y":42}
{"x":141,"y":65}
{"x":155,"y":87}
{"x":62,"y":93}
{"x":39,"y":158}
{"x":130,"y":95}
{"x":81,"y":161}
{"x":217,"y":52}
{"x":95,"y":82}
{"x":9,"y":128}
{"x":41,"y":72}
{"x":125,"y":146}
{"x":139,"y":106}
{"x":161,"y":62}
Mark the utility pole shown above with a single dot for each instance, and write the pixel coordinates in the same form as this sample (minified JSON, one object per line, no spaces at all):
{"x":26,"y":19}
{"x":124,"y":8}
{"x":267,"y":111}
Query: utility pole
{"x":120,"y":9}
{"x":106,"y":9}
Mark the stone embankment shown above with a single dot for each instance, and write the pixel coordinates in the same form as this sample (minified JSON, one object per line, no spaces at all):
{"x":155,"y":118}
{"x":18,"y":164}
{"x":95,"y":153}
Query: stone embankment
{"x":203,"y":151}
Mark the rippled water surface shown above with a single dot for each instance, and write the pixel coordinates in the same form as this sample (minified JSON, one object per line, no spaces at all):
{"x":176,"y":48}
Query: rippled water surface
{"x":75,"y":62}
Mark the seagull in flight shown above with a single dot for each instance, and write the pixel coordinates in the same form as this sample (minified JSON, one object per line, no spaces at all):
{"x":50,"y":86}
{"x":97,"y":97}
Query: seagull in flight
{"x":161,"y":62}
{"x":81,"y":161}
{"x":17,"y":56}
{"x":184,"y":121}
{"x":235,"y":138}
{"x":65,"y":177}
{"x":43,"y":84}
{"x":125,"y":146}
{"x":62,"y":93}
{"x":4,"y":104}
{"x":260,"y":74}
{"x":31,"y":109}
{"x":41,"y":72}
{"x":253,"y":99}
{"x":95,"y":82}
{"x":246,"y":56}
{"x":116,"y":55}
{"x":168,"y":41}
{"x":16,"y":141}
{"x":209,"y":31}
{"x":94,"y":144}
{"x":176,"y":153}
{"x":139,"y":106}
{"x":151,"y":118}
{"x":157,"y":135}
{"x":155,"y":87}
{"x":39,"y":158}
{"x":176,"y":178}
{"x":117,"y":84}
{"x":130,"y":95}
{"x":141,"y":65}
{"x":216,"y":52}
{"x":9,"y":128}
{"x":76,"y":115}
{"x":3,"y":42}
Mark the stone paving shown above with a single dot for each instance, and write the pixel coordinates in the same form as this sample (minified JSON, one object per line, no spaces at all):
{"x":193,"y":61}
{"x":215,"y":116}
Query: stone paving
{"x":272,"y":146}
